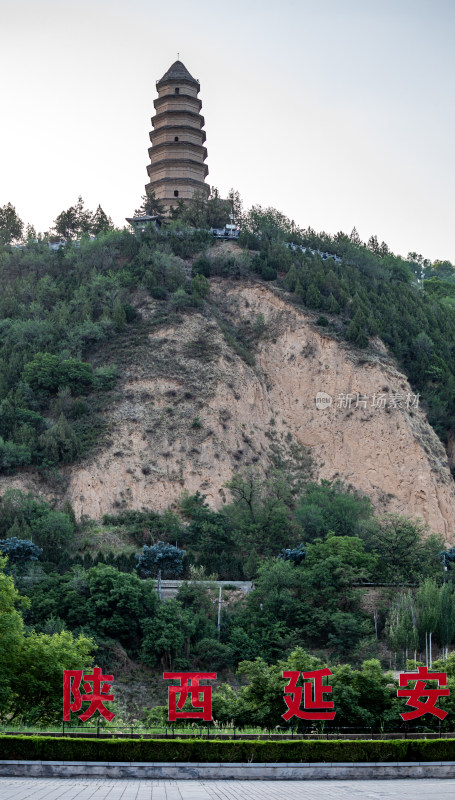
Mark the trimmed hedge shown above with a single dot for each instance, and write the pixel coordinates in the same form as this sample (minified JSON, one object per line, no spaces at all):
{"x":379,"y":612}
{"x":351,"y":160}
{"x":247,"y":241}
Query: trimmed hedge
{"x":46,"y":748}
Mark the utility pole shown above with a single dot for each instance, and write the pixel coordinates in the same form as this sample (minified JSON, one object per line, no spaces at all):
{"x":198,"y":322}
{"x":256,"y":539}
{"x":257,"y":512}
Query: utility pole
{"x":219,"y":614}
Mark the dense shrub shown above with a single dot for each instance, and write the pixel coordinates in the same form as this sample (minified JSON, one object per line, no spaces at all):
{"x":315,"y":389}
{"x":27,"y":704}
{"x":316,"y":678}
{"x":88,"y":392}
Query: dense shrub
{"x":45,"y":748}
{"x":47,"y":372}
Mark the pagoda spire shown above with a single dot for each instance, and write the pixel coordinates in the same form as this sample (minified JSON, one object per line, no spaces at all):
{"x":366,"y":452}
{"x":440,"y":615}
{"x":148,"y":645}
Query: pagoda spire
{"x":177,"y":155}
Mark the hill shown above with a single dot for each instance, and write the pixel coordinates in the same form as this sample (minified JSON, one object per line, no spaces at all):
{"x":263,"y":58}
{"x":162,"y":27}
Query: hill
{"x":262,"y":411}
{"x":193,"y":388}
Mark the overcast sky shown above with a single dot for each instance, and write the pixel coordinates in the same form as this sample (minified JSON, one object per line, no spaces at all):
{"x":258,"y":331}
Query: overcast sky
{"x":336,"y":112}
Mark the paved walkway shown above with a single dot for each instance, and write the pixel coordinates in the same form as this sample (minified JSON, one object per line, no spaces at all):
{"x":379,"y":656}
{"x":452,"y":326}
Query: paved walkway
{"x":92,"y":789}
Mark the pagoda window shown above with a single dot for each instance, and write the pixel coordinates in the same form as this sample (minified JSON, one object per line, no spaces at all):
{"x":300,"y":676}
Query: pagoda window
{"x":177,"y":91}
{"x":176,"y":192}
{"x":176,"y":138}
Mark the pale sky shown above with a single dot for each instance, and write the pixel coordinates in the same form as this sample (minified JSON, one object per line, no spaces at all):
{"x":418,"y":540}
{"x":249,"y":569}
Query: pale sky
{"x":336,"y":112}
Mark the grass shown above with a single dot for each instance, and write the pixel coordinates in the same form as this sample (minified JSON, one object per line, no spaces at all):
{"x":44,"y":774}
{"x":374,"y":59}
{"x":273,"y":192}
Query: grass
{"x":195,"y":730}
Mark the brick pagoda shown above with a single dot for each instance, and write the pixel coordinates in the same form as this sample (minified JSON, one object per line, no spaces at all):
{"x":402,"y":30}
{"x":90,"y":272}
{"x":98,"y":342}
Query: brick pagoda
{"x":177,"y":155}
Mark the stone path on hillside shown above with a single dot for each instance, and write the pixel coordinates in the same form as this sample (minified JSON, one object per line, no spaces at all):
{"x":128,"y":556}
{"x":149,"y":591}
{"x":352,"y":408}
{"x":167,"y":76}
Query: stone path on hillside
{"x":95,"y":789}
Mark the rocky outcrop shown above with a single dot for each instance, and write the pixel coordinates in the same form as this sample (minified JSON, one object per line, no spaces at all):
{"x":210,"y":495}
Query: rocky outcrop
{"x":192,"y":410}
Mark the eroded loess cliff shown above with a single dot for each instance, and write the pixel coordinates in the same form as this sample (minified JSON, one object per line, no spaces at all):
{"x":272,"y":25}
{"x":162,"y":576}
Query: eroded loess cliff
{"x":191,"y":410}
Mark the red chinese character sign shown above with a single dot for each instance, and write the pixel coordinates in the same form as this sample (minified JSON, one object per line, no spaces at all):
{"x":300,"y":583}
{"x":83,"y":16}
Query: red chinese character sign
{"x":415,"y":696}
{"x":315,"y":707}
{"x":201,"y":696}
{"x":96,"y":688}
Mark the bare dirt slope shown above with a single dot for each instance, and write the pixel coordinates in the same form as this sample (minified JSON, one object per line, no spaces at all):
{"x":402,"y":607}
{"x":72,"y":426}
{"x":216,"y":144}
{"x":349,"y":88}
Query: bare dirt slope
{"x":191,"y":411}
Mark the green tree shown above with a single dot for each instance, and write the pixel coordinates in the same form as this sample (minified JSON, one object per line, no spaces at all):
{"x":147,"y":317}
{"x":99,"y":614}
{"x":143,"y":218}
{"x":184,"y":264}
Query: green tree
{"x":262,"y":698}
{"x":150,"y":205}
{"x":406,"y":553}
{"x":180,"y":299}
{"x":267,"y":223}
{"x":47,"y":373}
{"x":77,"y":220}
{"x":37,"y":683}
{"x":167,"y":636}
{"x":236,"y":205}
{"x":373,"y":245}
{"x":195,"y":211}
{"x":13,"y":455}
{"x":355,"y":238}
{"x":313,"y":297}
{"x":313,"y":602}
{"x":43,"y":373}
{"x":53,"y":532}
{"x":291,"y":279}
{"x":364,"y":697}
{"x":402,"y":631}
{"x":100,"y":222}
{"x":177,"y":211}
{"x":31,"y":664}
{"x":11,"y":226}
{"x":261,"y":511}
{"x":119,"y":316}
{"x":356,"y":335}
{"x":11,"y":637}
{"x":60,"y":444}
{"x":200,"y":287}
{"x":83,"y":217}
{"x":19,"y":551}
{"x":66,"y":224}
{"x":117,"y":606}
{"x":217,"y":210}
{"x":327,"y":506}
{"x":78,"y":375}
{"x":331,"y":305}
{"x":446,"y":621}
{"x":428,"y":603}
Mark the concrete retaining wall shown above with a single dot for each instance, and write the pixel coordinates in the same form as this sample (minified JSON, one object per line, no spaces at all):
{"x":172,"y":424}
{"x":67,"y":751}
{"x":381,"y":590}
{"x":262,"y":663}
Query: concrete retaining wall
{"x":169,"y":588}
{"x":190,"y":771}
